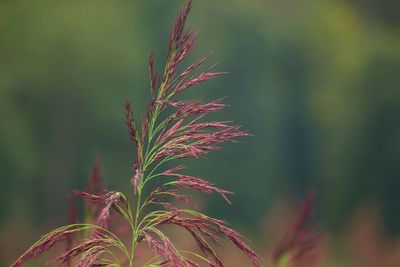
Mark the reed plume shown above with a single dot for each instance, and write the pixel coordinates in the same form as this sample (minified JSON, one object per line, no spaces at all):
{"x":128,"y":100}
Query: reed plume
{"x":170,"y":129}
{"x":301,"y":245}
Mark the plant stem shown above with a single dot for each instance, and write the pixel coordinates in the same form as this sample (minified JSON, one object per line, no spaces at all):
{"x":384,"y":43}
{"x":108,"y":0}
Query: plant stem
{"x":135,"y":229}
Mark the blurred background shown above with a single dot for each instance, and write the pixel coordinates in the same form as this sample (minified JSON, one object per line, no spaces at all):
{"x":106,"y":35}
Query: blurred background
{"x":316,"y":82}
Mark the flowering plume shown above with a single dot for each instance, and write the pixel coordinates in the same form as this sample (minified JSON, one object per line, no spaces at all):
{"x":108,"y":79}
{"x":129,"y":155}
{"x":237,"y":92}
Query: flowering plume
{"x":180,"y":132}
{"x":300,"y":247}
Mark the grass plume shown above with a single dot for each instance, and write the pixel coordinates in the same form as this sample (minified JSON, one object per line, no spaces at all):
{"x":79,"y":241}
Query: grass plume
{"x":183,"y":133}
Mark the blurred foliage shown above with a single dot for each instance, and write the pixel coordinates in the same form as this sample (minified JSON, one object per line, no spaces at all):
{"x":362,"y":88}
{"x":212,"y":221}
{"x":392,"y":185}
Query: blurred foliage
{"x":315,"y":81}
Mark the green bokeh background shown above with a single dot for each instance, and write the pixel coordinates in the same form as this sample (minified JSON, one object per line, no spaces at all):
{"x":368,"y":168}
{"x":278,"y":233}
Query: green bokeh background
{"x":316,"y":82}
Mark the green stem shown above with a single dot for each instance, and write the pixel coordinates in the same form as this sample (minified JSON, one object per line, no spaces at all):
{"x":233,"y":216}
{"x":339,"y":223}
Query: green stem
{"x":135,"y":226}
{"x":146,"y":161}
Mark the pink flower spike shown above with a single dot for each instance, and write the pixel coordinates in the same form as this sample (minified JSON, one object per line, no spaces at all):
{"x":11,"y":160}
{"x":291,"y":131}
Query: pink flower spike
{"x":198,"y":184}
{"x":136,"y":179}
{"x":301,"y":240}
{"x":130,"y":122}
{"x":175,"y":169}
{"x":85,"y":195}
